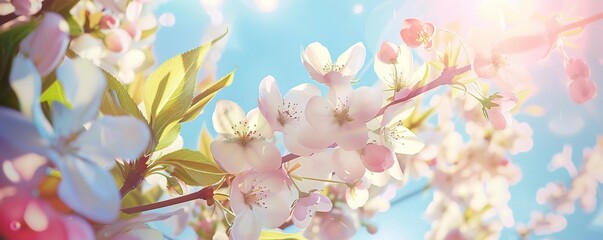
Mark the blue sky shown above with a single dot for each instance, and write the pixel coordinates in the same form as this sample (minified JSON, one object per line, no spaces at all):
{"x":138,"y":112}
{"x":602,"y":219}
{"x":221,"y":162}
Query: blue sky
{"x":262,"y":44}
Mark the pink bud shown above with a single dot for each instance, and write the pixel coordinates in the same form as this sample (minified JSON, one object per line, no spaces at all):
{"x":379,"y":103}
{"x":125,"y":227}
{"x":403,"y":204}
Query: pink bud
{"x":387,"y":54}
{"x":582,"y":90}
{"x":416,"y":33}
{"x":576,"y":68}
{"x":46,"y":45}
{"x":377,"y":158}
{"x":108,"y":22}
{"x":27,"y":7}
{"x":118,"y":40}
{"x":372,"y":229}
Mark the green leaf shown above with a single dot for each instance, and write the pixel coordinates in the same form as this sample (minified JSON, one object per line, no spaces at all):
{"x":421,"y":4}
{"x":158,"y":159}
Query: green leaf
{"x":270,"y":235}
{"x":204,"y":97}
{"x":75,"y":29}
{"x":117,"y":100}
{"x":168,"y":137}
{"x":173,"y":185}
{"x":205,"y":140}
{"x":147,"y":33}
{"x":9,"y":46}
{"x":191,"y":167}
{"x":169,"y":89}
{"x":55,"y":93}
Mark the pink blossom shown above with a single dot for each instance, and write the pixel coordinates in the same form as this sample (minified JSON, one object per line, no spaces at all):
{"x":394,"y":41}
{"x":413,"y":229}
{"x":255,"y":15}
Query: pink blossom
{"x":564,"y":160}
{"x":336,"y":224}
{"x":243,"y":141}
{"x":416,"y":33}
{"x":109,"y":21}
{"x":259,"y":200}
{"x":118,"y":40}
{"x":545,"y":224}
{"x":20,"y":7}
{"x":341,"y":118}
{"x":557,"y":197}
{"x":307,"y":206}
{"x":317,"y":60}
{"x":46,"y":45}
{"x":287,"y":114}
{"x":576,"y":69}
{"x":500,"y":116}
{"x":582,"y":90}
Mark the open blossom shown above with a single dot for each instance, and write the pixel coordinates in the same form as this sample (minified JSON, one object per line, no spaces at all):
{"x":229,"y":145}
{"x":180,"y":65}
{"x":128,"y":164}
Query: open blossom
{"x":243,"y":141}
{"x":544,"y":224}
{"x":393,"y":133}
{"x":341,"y":118}
{"x":79,"y":153}
{"x":317,"y":60}
{"x":397,"y":74}
{"x":557,"y":197}
{"x":287,"y":114}
{"x":46,"y":45}
{"x":259,"y":200}
{"x":307,"y":206}
{"x":417,"y":33}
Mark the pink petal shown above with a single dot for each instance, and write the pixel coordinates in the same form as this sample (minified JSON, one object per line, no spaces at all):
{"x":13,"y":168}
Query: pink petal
{"x":47,"y":44}
{"x":262,"y":156}
{"x":366,"y":103}
{"x":245,"y":226}
{"x":377,"y":158}
{"x":270,"y":101}
{"x":576,"y":68}
{"x":352,"y":137}
{"x":319,"y":113}
{"x":388,"y":53}
{"x":258,"y":123}
{"x":348,"y":165}
{"x":229,"y":155}
{"x":352,"y":59}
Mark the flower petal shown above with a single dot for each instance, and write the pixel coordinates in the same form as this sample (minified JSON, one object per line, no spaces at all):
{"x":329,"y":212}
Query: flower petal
{"x":348,"y":165}
{"x":258,"y":123}
{"x":88,"y":189}
{"x":262,"y":156}
{"x":365,"y":104}
{"x":26,"y":82}
{"x":83,"y":84}
{"x":377,"y":158}
{"x":227,"y":115}
{"x":20,"y":132}
{"x":352,"y":59}
{"x":270,"y":101}
{"x":405,"y":142}
{"x":352,"y":137}
{"x":114,"y":136}
{"x":229,"y":155}
{"x":245,"y":226}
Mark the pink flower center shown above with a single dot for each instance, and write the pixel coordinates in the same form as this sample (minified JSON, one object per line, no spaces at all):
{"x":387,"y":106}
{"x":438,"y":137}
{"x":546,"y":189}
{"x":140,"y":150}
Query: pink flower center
{"x":341,"y":113}
{"x":288,"y":113}
{"x":245,"y":134}
{"x":255,"y":196}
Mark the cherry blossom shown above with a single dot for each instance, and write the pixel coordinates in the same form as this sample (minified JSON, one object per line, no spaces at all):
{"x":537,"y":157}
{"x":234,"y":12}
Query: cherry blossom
{"x":417,"y":33}
{"x":79,"y":154}
{"x":259,"y":200}
{"x":341,"y":118}
{"x":397,"y":74}
{"x":500,"y":116}
{"x":317,"y":60}
{"x":287,"y":114}
{"x":243,"y":141}
{"x":47,"y":44}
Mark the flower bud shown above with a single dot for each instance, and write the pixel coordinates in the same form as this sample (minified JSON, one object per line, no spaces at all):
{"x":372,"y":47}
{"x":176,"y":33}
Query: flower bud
{"x":27,"y":7}
{"x":108,"y":22}
{"x":576,"y":68}
{"x":387,"y":54}
{"x":582,"y":90}
{"x":118,"y":40}
{"x":46,"y":45}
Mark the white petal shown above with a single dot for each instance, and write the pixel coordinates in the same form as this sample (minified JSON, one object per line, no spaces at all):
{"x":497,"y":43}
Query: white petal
{"x":274,"y":213}
{"x":257,"y":122}
{"x":226,"y":115}
{"x":115,"y":136}
{"x":398,"y":112}
{"x":26,"y":82}
{"x":317,"y":56}
{"x":237,"y":201}
{"x":88,"y":189}
{"x":245,"y":226}
{"x":348,"y":165}
{"x":352,"y":60}
{"x":229,"y":155}
{"x":262,"y":156}
{"x":356,"y":198}
{"x":20,"y":132}
{"x":406,"y":143}
{"x":83,"y":84}
{"x":270,"y":100}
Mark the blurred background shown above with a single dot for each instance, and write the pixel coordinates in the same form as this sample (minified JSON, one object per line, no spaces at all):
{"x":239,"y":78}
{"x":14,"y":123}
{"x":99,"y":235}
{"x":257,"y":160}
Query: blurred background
{"x":266,"y":37}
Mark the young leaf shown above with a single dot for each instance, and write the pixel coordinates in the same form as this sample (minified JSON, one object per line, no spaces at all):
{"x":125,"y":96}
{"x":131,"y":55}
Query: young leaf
{"x":117,"y":96}
{"x":55,"y":93}
{"x":204,"y":97}
{"x":168,"y":137}
{"x":205,"y":140}
{"x":192,"y":167}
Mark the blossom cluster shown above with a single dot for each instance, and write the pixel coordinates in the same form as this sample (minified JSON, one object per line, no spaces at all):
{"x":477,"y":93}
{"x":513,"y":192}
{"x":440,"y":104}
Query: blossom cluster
{"x":91,"y":137}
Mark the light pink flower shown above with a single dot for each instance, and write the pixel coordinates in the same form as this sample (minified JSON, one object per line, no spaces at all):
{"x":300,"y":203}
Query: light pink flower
{"x":416,"y":33}
{"x":307,"y":206}
{"x":564,"y":160}
{"x":287,"y":114}
{"x":46,"y":45}
{"x":341,"y":118}
{"x":543,"y":224}
{"x":259,"y":200}
{"x":336,"y":224}
{"x":557,"y":197}
{"x":500,"y":116}
{"x":242,"y":141}
{"x":317,"y":60}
